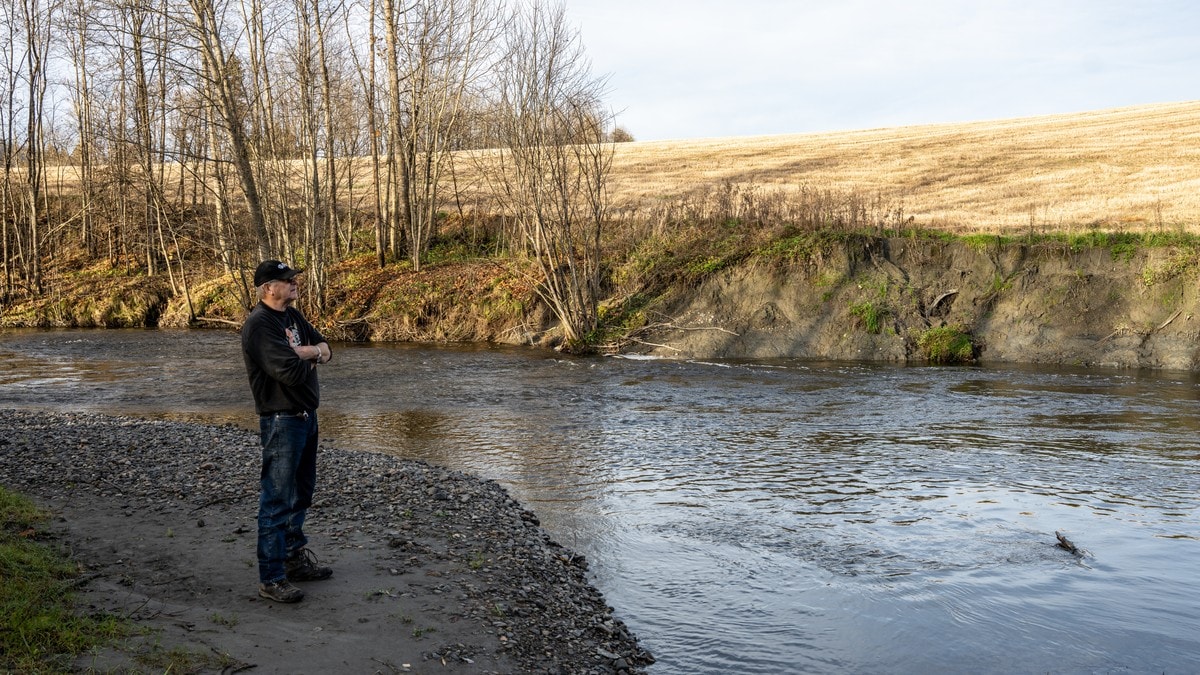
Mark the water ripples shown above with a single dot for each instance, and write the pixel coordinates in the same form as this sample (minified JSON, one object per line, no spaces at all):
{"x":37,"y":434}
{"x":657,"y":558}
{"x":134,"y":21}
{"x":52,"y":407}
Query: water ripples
{"x":768,"y":517}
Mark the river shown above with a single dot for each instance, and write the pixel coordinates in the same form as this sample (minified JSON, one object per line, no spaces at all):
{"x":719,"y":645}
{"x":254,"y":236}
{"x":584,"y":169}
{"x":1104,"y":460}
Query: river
{"x":768,"y":516}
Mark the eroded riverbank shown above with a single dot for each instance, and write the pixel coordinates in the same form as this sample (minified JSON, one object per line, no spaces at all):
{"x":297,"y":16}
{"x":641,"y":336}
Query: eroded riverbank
{"x":1127,"y":304}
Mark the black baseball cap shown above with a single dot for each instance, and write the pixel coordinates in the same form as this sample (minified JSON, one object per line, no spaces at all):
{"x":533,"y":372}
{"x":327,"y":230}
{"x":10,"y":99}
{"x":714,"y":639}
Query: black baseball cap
{"x":273,"y":270}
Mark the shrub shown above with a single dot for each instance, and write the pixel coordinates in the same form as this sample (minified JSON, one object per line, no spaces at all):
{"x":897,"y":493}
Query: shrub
{"x":621,"y":135}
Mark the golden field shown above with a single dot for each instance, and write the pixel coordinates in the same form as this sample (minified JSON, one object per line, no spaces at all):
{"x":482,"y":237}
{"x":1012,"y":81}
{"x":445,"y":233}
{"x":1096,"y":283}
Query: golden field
{"x":1130,"y":169}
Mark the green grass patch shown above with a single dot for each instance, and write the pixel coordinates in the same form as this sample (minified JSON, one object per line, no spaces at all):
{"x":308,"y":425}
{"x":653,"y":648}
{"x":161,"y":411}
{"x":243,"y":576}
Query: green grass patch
{"x":947,"y":345}
{"x":1000,"y":283}
{"x":39,"y":630}
{"x":703,"y":267}
{"x":802,"y":245}
{"x":1122,"y":244}
{"x":982,"y":242}
{"x":870,"y":316}
{"x":1182,"y":261}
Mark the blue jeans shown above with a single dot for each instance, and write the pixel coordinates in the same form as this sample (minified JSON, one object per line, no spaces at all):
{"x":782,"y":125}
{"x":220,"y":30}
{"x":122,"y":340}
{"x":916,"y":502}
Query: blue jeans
{"x":289,"y":474}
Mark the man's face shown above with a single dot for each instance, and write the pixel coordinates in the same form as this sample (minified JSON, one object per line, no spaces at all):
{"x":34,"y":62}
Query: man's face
{"x":286,"y":291}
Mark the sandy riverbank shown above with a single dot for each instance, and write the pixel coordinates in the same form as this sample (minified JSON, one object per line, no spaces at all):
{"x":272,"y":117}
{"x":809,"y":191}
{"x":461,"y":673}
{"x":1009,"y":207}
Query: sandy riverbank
{"x":435,"y":570}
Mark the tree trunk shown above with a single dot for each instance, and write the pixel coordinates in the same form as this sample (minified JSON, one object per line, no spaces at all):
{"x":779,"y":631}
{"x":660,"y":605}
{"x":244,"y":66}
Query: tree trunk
{"x":221,"y":88}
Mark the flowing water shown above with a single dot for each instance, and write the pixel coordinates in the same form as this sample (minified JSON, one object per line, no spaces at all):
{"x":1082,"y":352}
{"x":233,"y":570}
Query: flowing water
{"x":768,"y":516}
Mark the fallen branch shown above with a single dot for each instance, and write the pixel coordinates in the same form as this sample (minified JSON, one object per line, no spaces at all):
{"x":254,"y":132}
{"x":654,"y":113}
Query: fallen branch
{"x":388,"y":665}
{"x":1066,"y":544}
{"x":75,"y":583}
{"x":723,"y":330}
{"x":632,"y":336}
{"x":129,"y":615}
{"x":218,"y":500}
{"x":236,"y":324}
{"x":654,"y":344}
{"x":236,"y":666}
{"x":1168,"y":321}
{"x":528,"y":328}
{"x":1143,"y":334}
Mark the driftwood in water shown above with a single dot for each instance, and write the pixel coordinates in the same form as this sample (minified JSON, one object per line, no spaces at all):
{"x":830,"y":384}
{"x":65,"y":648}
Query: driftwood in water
{"x":213,"y":319}
{"x":1065,"y":543}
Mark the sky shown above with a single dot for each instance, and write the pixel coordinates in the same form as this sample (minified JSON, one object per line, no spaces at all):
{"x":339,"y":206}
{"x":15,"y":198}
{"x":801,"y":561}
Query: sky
{"x":684,"y":69}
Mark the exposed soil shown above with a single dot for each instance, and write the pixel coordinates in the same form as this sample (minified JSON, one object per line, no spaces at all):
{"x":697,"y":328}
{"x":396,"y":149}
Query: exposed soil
{"x":434,"y":570}
{"x":1050,"y":304}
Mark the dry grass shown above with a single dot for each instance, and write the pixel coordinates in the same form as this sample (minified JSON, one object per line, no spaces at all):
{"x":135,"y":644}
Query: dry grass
{"x":1131,"y":169}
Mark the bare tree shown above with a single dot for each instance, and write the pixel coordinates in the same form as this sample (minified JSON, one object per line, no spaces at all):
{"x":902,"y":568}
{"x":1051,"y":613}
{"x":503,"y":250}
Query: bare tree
{"x":620,"y":135}
{"x":37,"y":19}
{"x":9,"y":141}
{"x":143,"y":24}
{"x":445,"y":44}
{"x":367,"y":80}
{"x":397,"y":180}
{"x":264,"y":100}
{"x":265,"y":123}
{"x":78,"y":44}
{"x":222,"y":86}
{"x":311,"y":72}
{"x":555,"y":161}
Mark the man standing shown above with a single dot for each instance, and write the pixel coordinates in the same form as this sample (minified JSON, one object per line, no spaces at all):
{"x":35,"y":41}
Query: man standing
{"x":281,"y":350}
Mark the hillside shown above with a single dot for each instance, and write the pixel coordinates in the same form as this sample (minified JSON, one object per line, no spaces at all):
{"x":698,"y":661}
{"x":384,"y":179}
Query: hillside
{"x":1134,"y":168}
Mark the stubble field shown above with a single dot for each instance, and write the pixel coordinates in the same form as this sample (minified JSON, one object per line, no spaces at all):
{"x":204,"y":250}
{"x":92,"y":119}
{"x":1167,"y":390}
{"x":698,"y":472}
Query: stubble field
{"x":1129,"y":169}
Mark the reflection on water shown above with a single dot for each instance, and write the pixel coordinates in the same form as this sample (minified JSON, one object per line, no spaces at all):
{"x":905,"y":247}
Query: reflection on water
{"x":766,"y":517}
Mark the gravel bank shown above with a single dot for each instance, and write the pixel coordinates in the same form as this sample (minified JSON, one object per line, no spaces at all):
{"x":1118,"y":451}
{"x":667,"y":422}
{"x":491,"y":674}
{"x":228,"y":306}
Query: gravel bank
{"x":435,"y":570}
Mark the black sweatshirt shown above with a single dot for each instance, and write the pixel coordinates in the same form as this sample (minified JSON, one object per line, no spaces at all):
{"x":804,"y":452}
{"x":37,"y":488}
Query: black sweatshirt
{"x":279,"y":379}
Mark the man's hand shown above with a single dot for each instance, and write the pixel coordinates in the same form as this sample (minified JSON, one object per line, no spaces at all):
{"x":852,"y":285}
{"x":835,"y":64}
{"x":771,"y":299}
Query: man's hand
{"x":309,"y":353}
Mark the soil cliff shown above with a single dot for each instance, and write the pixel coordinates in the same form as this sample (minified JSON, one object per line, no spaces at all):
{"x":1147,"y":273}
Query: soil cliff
{"x":879,"y":298}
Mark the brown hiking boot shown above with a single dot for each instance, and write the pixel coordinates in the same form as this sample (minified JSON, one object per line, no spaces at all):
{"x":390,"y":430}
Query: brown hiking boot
{"x":303,"y":566}
{"x":281,"y":591}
